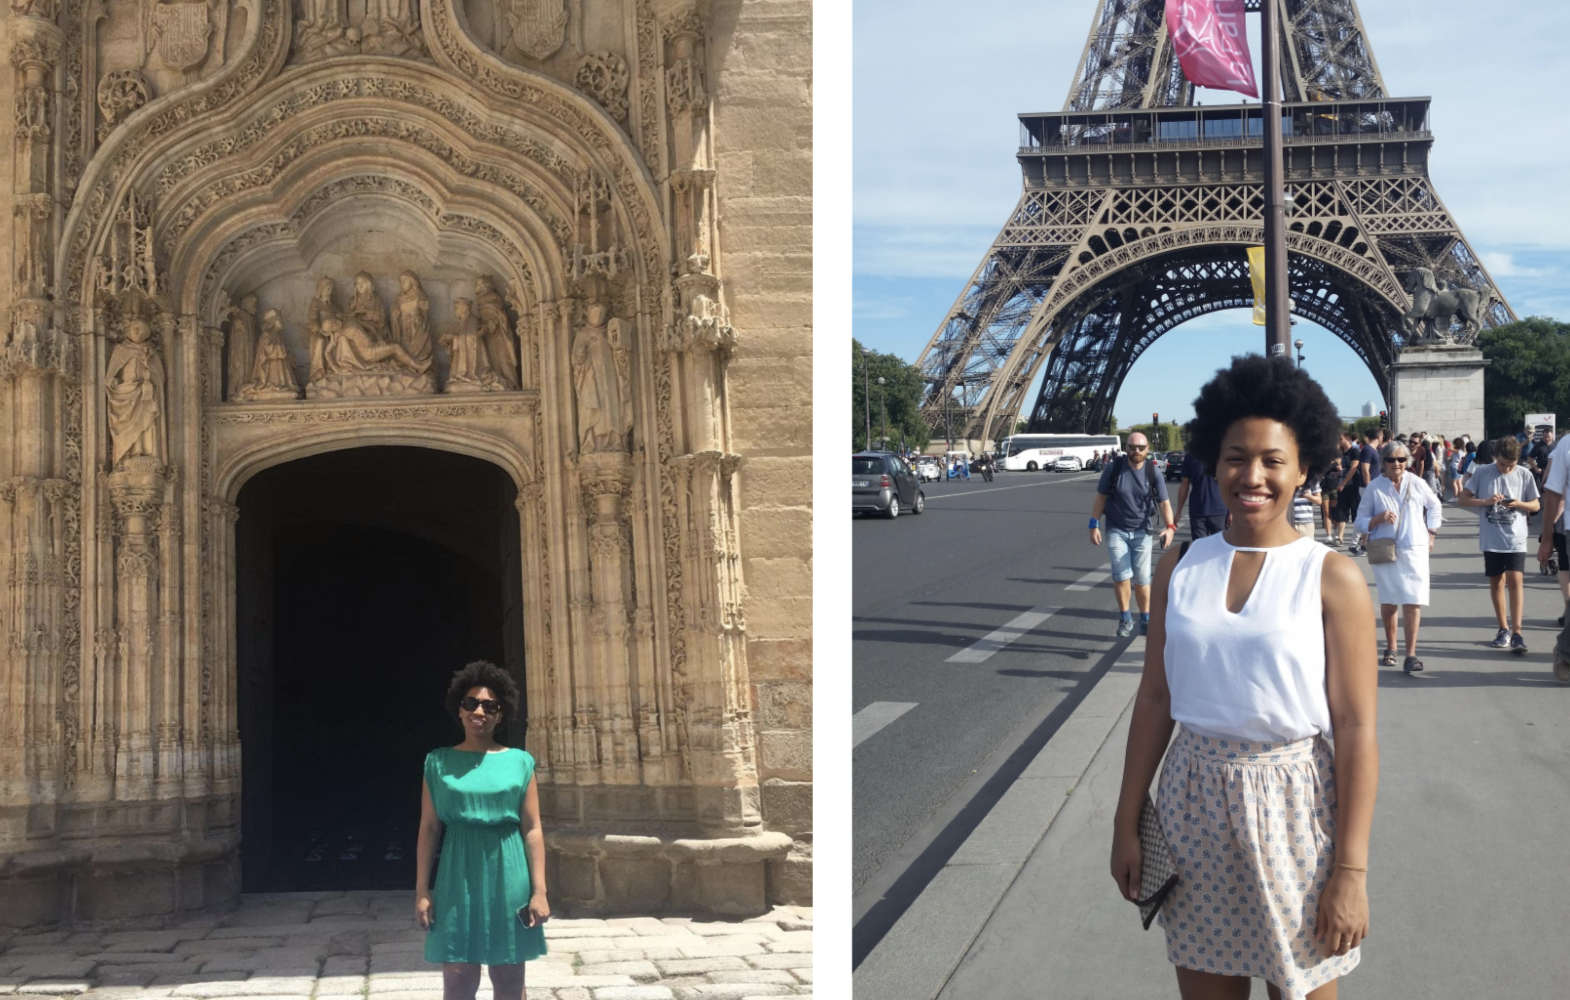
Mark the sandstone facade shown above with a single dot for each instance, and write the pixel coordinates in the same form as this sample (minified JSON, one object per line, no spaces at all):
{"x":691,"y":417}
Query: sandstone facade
{"x":568,"y":238}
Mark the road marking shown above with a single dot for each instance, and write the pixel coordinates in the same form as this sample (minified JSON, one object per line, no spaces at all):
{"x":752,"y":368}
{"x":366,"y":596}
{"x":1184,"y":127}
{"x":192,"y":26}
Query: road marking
{"x":1089,"y":580}
{"x":870,"y":721}
{"x":1000,"y":489}
{"x":994,"y":641}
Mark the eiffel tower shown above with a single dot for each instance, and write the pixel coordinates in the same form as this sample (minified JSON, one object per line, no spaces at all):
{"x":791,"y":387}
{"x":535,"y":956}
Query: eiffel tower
{"x":1138,"y":204}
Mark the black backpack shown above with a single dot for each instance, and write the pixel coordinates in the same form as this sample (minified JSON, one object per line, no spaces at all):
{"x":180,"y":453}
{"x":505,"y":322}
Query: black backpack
{"x":1151,"y":479}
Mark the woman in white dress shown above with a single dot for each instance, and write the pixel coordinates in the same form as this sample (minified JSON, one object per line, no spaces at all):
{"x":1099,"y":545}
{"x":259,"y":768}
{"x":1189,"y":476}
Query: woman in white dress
{"x":1259,"y":653}
{"x":1401,"y":506}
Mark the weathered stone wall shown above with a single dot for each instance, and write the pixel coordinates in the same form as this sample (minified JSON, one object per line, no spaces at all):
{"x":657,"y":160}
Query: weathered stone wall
{"x":1438,"y":390}
{"x":761,"y":58}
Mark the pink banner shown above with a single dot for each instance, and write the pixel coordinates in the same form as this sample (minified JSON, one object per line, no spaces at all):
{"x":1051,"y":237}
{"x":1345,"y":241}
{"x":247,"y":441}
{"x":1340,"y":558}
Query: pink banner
{"x":1210,"y":38}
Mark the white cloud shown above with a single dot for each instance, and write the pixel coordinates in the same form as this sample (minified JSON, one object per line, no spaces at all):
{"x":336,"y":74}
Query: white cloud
{"x":1503,"y":265}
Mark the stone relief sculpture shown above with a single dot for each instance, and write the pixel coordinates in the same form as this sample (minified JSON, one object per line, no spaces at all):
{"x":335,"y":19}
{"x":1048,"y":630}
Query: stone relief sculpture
{"x":1435,"y":306}
{"x":392,"y":28}
{"x":409,"y":320}
{"x":241,"y":343}
{"x":180,"y":32}
{"x":389,"y":28}
{"x":119,"y":94}
{"x":367,"y":307}
{"x":350,"y":351}
{"x":272,"y":373}
{"x":321,"y":310}
{"x":601,"y":379}
{"x":497,"y":331}
{"x":603,"y":76}
{"x":322,"y":31}
{"x":531,"y":28}
{"x":134,"y":383}
{"x":470,"y":369}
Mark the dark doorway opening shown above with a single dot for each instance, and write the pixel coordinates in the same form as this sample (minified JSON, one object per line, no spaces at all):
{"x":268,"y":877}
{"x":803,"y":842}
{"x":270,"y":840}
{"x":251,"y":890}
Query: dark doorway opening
{"x":365,"y":578}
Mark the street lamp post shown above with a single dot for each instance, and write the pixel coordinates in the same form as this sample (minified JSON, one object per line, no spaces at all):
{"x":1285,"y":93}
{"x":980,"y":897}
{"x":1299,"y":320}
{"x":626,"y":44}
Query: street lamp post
{"x":866,"y":391}
{"x":1299,"y":345}
{"x":883,"y":404}
{"x":1277,"y":305}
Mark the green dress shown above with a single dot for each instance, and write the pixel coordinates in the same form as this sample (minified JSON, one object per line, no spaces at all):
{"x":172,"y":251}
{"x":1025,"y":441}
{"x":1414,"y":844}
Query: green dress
{"x":482,"y":878}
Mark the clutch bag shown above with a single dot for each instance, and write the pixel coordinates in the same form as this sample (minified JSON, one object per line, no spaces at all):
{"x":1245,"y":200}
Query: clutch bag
{"x":1157,"y":871}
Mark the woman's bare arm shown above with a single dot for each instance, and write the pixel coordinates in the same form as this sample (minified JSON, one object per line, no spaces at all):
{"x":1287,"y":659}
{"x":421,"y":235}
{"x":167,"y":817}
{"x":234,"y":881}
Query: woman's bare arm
{"x":425,"y":854}
{"x":534,"y":849}
{"x":1150,"y":730}
{"x":1352,"y":687}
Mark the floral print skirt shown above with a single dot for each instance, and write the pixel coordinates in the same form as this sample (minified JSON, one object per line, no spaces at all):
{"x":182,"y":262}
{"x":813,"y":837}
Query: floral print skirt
{"x":1252,"y":829}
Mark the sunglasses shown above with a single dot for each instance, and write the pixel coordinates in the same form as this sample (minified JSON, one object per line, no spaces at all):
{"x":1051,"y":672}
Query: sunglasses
{"x":470,"y":704}
{"x":1139,"y":447}
{"x":1398,"y":461}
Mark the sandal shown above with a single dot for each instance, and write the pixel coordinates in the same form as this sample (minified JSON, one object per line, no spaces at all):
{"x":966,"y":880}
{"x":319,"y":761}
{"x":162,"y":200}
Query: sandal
{"x":1412,"y":665}
{"x":1389,"y":659}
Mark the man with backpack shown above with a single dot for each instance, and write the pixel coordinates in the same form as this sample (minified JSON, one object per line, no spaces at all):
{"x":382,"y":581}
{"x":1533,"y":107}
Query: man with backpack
{"x":1129,"y":492}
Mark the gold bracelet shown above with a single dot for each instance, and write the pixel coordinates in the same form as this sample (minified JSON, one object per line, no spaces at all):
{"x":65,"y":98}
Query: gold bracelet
{"x":1351,"y":868}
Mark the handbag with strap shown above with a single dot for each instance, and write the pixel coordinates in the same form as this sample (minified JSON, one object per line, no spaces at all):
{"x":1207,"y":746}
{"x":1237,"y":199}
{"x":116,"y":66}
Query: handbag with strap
{"x":1383,"y":550}
{"x":1157,"y":871}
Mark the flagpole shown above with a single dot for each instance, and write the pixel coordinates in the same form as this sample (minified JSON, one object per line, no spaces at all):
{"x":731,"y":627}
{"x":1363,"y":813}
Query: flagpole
{"x":1278,"y":321}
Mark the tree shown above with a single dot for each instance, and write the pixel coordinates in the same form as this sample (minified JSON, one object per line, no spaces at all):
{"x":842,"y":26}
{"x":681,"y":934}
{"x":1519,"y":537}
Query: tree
{"x":901,"y":392}
{"x":1363,"y":425}
{"x":1162,"y":437}
{"x":1529,"y":372}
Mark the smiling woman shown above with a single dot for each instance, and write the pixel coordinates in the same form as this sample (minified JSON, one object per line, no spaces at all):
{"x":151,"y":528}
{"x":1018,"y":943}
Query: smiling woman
{"x":1259,"y":652}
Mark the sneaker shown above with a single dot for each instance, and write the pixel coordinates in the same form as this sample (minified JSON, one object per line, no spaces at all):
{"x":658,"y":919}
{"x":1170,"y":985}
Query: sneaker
{"x":1144,"y":626}
{"x":1125,"y":627}
{"x":1354,"y":550}
{"x":1517,"y":643}
{"x":1502,"y":640}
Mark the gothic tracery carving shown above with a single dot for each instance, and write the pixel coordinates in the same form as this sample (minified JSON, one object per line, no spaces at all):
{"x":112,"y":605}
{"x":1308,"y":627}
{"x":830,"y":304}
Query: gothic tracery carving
{"x":603,"y":76}
{"x":120,"y":93}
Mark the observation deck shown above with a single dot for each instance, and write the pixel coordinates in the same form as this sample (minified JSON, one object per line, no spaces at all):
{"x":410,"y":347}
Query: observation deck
{"x":1135,"y":147}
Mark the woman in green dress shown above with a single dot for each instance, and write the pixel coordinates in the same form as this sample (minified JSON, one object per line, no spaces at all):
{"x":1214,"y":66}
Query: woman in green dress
{"x":479,"y":801}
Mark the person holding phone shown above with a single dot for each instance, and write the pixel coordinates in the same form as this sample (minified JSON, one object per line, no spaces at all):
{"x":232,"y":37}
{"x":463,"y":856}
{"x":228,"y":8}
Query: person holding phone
{"x":480,"y":801}
{"x":1260,"y":651}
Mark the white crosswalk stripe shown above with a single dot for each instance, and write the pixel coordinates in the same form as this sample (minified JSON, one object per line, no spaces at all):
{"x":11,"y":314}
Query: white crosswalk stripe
{"x":1089,"y":580}
{"x":871,"y":720}
{"x":984,"y":647}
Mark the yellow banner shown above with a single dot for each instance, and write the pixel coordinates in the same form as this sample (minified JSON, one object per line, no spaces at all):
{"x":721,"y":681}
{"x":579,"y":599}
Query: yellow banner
{"x":1256,"y":274}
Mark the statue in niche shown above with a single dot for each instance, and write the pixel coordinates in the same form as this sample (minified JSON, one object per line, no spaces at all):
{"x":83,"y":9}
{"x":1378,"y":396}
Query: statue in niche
{"x":134,"y":384}
{"x":367,"y":307}
{"x":322,"y":31}
{"x":410,"y":326}
{"x":242,"y":342}
{"x":272,"y":375}
{"x":497,"y":331}
{"x":471,"y":367}
{"x":321,"y":310}
{"x":601,"y":378}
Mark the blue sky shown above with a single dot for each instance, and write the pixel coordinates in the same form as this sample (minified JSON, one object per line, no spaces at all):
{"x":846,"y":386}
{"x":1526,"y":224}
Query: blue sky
{"x":938,"y":86}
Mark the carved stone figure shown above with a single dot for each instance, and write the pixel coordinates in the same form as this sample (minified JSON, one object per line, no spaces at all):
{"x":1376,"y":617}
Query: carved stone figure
{"x":1430,"y":302}
{"x":322,"y":31}
{"x":367,"y":307}
{"x":321,"y":310}
{"x":497,"y":331}
{"x":532,"y":28}
{"x":409,"y":319}
{"x":134,"y":384}
{"x":392,"y":28}
{"x":242,"y":343}
{"x":351,"y":349}
{"x":604,"y":399}
{"x":470,"y":370}
{"x":272,"y":374}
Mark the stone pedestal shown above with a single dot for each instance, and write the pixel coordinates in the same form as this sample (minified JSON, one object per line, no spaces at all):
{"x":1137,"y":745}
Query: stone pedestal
{"x":1438,"y":389}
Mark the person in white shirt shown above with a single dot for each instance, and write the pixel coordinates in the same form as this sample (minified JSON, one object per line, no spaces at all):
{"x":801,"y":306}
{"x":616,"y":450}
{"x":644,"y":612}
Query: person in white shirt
{"x":1400,"y":506}
{"x":1556,"y":483}
{"x":1258,"y":653}
{"x":1504,"y":494}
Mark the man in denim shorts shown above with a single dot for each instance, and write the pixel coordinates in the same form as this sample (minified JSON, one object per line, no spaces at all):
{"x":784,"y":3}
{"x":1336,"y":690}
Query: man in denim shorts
{"x":1129,"y":492}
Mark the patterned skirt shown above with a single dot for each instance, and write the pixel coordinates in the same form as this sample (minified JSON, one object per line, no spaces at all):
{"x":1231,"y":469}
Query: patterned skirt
{"x":1252,"y":829}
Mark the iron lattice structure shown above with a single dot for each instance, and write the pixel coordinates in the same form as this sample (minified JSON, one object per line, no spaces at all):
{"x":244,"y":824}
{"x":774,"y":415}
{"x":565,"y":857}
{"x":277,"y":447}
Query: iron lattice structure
{"x":1138,"y":204}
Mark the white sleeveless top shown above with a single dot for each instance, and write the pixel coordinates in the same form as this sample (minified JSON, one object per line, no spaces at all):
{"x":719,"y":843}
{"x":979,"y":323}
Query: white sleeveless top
{"x":1258,"y":674}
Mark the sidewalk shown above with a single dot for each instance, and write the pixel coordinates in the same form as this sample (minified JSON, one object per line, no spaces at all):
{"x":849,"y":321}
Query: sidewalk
{"x":1468,"y":871}
{"x":365,"y":946}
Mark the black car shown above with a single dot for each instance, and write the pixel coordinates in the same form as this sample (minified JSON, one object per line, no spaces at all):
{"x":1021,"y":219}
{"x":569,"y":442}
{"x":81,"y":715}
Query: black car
{"x":1174,"y":466}
{"x":883,"y":483}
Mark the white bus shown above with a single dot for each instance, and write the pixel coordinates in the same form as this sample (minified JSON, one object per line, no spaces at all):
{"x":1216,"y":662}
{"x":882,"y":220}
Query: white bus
{"x":1029,"y":452}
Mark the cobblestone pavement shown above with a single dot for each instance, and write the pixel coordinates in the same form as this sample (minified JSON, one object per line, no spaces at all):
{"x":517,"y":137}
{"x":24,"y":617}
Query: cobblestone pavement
{"x":365,"y":946}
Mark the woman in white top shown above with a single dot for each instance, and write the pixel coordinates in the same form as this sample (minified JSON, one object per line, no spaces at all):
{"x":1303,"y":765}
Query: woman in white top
{"x":1401,"y":506}
{"x":1259,"y":647}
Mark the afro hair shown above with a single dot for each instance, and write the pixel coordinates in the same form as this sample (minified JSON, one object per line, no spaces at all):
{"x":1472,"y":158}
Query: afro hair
{"x":1257,"y":386}
{"x":484,"y":674}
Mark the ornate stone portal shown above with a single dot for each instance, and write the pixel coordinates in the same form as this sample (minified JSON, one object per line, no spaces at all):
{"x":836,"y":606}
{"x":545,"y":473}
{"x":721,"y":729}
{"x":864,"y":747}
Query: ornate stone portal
{"x":245,"y":234}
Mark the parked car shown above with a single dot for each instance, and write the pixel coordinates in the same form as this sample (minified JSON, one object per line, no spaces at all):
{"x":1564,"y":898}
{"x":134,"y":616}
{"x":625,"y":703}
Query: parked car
{"x":928,"y":468}
{"x":1068,"y":463}
{"x":1174,"y":468}
{"x":883,"y":483}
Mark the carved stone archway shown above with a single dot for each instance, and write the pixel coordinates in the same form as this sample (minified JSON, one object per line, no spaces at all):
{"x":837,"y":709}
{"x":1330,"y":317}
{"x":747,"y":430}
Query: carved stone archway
{"x":298,"y":247}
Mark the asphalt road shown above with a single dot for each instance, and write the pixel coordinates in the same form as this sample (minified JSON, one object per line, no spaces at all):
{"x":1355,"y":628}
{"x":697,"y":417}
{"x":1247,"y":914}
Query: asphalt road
{"x":929,"y":587}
